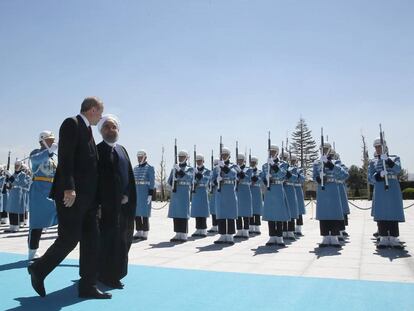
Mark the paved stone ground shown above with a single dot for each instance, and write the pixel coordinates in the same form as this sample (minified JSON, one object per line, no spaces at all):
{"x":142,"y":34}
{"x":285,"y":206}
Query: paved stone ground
{"x":358,"y":259}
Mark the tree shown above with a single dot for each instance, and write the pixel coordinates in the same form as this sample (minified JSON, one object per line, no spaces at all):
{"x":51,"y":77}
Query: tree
{"x":304,"y":146}
{"x":162,"y":176}
{"x":403,"y":175}
{"x":365,"y":163}
{"x":357,"y":179}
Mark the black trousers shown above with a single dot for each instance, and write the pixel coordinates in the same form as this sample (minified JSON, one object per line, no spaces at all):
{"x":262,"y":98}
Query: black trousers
{"x":142,"y":223}
{"x":289,"y":225}
{"x":214,"y":220}
{"x":77,"y":223}
{"x":33,"y":238}
{"x":299,"y":221}
{"x":226,"y":226}
{"x":330,"y":227}
{"x":390,"y":228}
{"x":243,"y":223}
{"x":201,"y":222}
{"x":255,"y":220}
{"x":275,"y":228}
{"x":180,"y":225}
{"x":346,"y":219}
{"x":14,"y":219}
{"x":3,"y":214}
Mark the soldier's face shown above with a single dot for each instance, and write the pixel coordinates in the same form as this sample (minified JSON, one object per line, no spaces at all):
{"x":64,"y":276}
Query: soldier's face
{"x":49,"y":141}
{"x":182,"y":159}
{"x":226,"y":156}
{"x":240,"y":162}
{"x":273,"y":153}
{"x":200,"y":162}
{"x":110,"y":131}
{"x":378,"y":149}
{"x":253,"y":164}
{"x":141,"y":159}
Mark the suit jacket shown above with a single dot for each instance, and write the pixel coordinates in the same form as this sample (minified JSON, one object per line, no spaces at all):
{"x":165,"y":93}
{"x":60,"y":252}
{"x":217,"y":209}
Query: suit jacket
{"x":77,"y":167}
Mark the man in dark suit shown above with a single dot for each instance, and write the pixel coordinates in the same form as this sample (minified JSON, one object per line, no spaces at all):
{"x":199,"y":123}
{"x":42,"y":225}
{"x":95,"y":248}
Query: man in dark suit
{"x":74,"y":190}
{"x":117,"y":199}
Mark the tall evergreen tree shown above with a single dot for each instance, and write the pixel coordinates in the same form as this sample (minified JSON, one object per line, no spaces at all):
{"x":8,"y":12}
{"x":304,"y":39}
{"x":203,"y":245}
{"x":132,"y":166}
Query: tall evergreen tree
{"x":304,"y":146}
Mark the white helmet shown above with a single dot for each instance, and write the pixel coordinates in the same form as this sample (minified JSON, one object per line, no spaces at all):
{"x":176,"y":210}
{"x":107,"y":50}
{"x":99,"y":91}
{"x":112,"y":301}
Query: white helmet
{"x":225,"y":150}
{"x":46,"y":135}
{"x":254,"y":159}
{"x":377,"y":142}
{"x":216,"y":161}
{"x":183,"y":153}
{"x":293,"y":157}
{"x":141,"y":153}
{"x":327,"y":146}
{"x":199,"y":157}
{"x":274,"y":148}
{"x":241,"y":156}
{"x":331,"y":151}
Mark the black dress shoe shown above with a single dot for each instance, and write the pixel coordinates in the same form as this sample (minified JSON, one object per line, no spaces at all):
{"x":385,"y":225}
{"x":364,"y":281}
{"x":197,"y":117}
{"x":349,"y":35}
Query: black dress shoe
{"x":112,"y":283}
{"x":37,"y":282}
{"x":93,"y":293}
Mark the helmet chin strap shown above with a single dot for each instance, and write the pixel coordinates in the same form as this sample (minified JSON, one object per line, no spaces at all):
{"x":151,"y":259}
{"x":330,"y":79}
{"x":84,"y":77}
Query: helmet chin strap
{"x":143,"y":160}
{"x":182,"y":162}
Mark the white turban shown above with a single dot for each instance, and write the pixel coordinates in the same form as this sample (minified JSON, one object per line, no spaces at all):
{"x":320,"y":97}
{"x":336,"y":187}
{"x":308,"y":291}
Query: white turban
{"x":107,"y":117}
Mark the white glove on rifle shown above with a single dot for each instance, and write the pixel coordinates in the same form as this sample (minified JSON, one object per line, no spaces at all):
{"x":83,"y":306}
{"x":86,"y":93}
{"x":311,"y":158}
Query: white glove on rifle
{"x":270,"y":161}
{"x":219,"y":179}
{"x":384,"y":157}
{"x":221,"y":163}
{"x":177,"y":167}
{"x":383,"y":173}
{"x":7,"y":173}
{"x":324,"y":159}
{"x":53,"y":148}
{"x":149,"y":199}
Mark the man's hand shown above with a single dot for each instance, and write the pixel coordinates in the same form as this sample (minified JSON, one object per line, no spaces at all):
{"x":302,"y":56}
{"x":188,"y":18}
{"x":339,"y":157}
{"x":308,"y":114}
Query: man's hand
{"x":69,"y":197}
{"x":124,"y":200}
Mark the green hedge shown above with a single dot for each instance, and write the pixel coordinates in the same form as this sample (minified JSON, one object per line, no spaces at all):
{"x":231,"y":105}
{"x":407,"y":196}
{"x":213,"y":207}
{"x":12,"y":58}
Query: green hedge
{"x":408,"y":193}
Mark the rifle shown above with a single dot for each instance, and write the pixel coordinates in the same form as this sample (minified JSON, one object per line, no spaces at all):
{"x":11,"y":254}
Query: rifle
{"x":174,"y":189}
{"x":212,"y":168}
{"x":283,"y":151}
{"x":250,"y":155}
{"x":321,"y":174}
{"x":195,"y":168}
{"x":237,"y":160}
{"x":219,"y":167}
{"x":386,"y":185}
{"x":268,"y":164}
{"x":8,"y":161}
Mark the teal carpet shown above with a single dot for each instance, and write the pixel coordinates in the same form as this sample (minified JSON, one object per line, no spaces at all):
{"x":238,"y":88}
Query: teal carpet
{"x":152,"y":288}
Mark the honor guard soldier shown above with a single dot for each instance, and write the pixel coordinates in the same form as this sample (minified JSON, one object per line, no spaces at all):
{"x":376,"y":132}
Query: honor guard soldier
{"x":15,"y":203}
{"x":255,"y":176}
{"x":328,"y":205}
{"x":300,"y":179}
{"x":42,"y":210}
{"x":144,"y":175}
{"x":344,"y":196}
{"x":244,"y":199}
{"x":180,"y":180}
{"x":212,"y":200}
{"x":387,"y":204}
{"x":199,"y":203}
{"x":289,"y":186}
{"x":4,"y":193}
{"x":225,"y":177}
{"x":275,"y":209}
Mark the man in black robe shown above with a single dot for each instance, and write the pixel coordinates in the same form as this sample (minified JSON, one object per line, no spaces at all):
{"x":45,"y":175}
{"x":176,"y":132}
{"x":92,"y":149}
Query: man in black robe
{"x":117,"y":199}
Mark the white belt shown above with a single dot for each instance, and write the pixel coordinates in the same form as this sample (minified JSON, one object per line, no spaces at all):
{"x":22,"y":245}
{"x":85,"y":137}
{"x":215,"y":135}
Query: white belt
{"x":392,"y":177}
{"x":330,"y":180}
{"x":183,"y":183}
{"x":298,"y":185}
{"x":201,"y":185}
{"x":339,"y":182}
{"x":244,"y":183}
{"x":228,"y":182}
{"x":290,"y":184}
{"x":139,"y":182}
{"x":276,"y":182}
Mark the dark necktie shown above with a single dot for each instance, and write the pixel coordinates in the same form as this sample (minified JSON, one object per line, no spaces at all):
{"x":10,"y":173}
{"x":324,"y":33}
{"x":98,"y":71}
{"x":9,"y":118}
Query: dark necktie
{"x":90,"y":131}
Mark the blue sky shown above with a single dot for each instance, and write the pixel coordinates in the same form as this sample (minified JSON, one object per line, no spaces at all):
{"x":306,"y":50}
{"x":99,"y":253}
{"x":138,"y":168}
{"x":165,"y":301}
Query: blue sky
{"x":196,"y":70}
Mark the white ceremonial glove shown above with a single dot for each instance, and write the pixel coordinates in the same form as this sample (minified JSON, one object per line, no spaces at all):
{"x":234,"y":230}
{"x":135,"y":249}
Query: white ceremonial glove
{"x":383,"y":173}
{"x":324,"y":158}
{"x":270,"y":161}
{"x":53,"y":148}
{"x":7,"y":173}
{"x":177,"y":167}
{"x":124,"y":200}
{"x":238,"y":169}
{"x":384,"y":157}
{"x":149,"y":199}
{"x":221,"y":163}
{"x":219,"y":179}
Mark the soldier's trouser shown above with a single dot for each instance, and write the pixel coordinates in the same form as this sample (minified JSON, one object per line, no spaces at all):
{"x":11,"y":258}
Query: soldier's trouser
{"x":180,"y":225}
{"x":255,"y":220}
{"x":299,"y":221}
{"x":226,"y":226}
{"x":33,"y":238}
{"x":214,"y":220}
{"x":331,"y":227}
{"x":201,"y":222}
{"x":386,"y":228}
{"x":275,"y":228}
{"x":243,"y":223}
{"x":346,"y":219}
{"x":3,"y":214}
{"x":141,"y":223}
{"x":289,"y":225}
{"x":14,"y":219}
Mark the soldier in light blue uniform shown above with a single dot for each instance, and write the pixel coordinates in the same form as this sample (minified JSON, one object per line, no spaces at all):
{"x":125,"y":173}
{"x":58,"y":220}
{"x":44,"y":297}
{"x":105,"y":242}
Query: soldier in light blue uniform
{"x":387,"y":204}
{"x":42,"y":210}
{"x":275,"y":209}
{"x":4,"y":194}
{"x":200,"y":209}
{"x":328,"y":205}
{"x":212,"y":200}
{"x":244,"y":198}
{"x":343,"y":193}
{"x":289,"y":186}
{"x":300,"y":179}
{"x":26,"y":196}
{"x":144,"y":175}
{"x":225,"y":178}
{"x":181,"y":178}
{"x":15,"y":204}
{"x":255,"y":176}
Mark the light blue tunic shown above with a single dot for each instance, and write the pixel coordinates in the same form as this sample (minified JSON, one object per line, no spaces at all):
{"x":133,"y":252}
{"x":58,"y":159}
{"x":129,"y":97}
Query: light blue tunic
{"x":180,"y":200}
{"x":144,"y":176}
{"x":212,"y":197}
{"x":244,"y":195}
{"x":15,"y":202}
{"x":290,"y":192}
{"x":342,"y":187}
{"x":3,"y":196}
{"x":328,"y":204}
{"x":275,"y":206}
{"x":199,"y":200}
{"x":42,"y":210}
{"x":226,"y":199}
{"x":386,"y":204}
{"x":256,"y":190}
{"x":299,"y":191}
